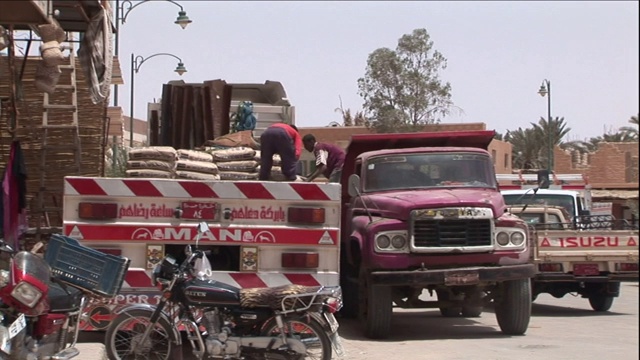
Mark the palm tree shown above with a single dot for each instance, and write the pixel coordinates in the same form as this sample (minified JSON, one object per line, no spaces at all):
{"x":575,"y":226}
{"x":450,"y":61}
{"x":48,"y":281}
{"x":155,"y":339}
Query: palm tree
{"x":526,"y":148}
{"x":631,"y":132}
{"x":546,"y":131}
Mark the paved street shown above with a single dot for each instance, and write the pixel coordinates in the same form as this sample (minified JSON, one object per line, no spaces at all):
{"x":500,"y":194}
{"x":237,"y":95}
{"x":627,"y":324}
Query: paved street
{"x":564,"y":328}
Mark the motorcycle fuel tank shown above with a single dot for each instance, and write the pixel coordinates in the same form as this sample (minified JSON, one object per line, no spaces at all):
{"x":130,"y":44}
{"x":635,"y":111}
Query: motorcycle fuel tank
{"x":211,"y":292}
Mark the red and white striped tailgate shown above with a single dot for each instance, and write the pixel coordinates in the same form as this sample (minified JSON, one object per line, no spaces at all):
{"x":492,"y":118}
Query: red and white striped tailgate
{"x":140,"y":278}
{"x":201,"y":189}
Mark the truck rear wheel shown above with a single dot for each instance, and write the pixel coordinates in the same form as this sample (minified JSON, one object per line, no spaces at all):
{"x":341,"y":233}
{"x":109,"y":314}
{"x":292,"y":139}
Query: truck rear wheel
{"x":513,"y":311}
{"x":447,"y":311}
{"x":471,"y":311}
{"x":375,"y":308}
{"x":600,"y":302}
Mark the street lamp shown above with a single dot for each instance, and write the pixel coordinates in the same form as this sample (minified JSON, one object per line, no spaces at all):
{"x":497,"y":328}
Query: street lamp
{"x":545,"y":90}
{"x":136,"y":63}
{"x":121,"y":17}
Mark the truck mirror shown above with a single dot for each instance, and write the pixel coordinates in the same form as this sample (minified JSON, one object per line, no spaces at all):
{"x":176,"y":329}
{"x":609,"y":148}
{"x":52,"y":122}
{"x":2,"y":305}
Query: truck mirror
{"x":354,"y":185}
{"x":543,"y":179}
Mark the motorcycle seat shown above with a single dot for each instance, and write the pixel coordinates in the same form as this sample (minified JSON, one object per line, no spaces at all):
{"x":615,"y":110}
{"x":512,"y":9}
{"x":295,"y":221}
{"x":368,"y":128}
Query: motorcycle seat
{"x":63,"y":298}
{"x":273,"y":297}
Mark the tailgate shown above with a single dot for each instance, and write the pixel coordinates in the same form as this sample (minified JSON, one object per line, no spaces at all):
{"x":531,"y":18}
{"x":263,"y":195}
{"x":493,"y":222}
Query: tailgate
{"x":578,"y":250}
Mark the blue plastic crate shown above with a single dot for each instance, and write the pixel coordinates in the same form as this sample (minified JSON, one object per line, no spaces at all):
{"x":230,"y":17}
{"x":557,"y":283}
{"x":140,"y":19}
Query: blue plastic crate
{"x":85,"y":268}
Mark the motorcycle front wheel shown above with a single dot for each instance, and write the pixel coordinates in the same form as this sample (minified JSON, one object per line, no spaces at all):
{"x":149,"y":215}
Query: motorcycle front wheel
{"x":123,"y":339}
{"x":308,"y":331}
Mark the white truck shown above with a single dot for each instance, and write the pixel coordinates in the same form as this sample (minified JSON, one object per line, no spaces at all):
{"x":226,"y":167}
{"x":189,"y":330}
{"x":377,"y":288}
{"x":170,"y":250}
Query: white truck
{"x":575,"y":252}
{"x":591,"y":263}
{"x":263,"y":234}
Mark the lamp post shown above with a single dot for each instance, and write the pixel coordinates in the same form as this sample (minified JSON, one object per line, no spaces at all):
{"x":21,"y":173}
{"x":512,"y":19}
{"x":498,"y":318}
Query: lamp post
{"x":545,"y":90}
{"x":136,"y":63}
{"x":122,"y":9}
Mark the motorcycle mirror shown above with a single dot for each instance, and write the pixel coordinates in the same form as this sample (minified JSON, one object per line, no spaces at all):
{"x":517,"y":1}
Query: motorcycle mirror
{"x":203,"y":227}
{"x":5,"y":248}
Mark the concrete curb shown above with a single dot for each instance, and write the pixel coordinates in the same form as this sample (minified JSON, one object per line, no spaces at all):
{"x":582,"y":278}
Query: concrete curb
{"x":91,"y":351}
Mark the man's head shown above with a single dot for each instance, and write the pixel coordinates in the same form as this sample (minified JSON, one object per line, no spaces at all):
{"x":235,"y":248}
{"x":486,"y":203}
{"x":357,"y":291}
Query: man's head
{"x":309,"y":142}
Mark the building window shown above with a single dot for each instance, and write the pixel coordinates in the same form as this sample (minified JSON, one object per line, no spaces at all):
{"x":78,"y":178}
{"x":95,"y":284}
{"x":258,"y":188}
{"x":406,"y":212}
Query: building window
{"x":506,"y":161}
{"x":493,"y":157}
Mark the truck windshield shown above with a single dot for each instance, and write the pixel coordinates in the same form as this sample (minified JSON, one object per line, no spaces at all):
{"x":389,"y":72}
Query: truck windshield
{"x":410,"y":171}
{"x":566,"y":201}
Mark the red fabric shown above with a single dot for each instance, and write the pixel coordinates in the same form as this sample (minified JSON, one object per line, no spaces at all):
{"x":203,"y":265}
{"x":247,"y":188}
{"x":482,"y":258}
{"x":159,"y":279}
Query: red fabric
{"x":13,"y":197}
{"x":293,"y":134}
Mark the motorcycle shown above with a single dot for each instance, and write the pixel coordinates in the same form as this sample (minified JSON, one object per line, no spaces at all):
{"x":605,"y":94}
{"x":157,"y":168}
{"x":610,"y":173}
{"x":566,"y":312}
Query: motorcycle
{"x":39,"y":316}
{"x":224,"y":322}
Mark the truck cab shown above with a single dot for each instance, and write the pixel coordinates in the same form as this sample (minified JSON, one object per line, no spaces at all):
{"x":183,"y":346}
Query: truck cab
{"x":423,"y":211}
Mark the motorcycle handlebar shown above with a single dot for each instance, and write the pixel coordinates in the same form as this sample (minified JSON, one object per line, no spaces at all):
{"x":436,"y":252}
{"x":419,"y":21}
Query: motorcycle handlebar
{"x":195,"y":255}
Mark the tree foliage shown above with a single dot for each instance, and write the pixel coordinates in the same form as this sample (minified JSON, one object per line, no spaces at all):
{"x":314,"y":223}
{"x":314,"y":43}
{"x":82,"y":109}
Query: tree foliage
{"x":631,"y":132}
{"x":530,"y":147}
{"x":357,"y":119}
{"x":402,"y":90}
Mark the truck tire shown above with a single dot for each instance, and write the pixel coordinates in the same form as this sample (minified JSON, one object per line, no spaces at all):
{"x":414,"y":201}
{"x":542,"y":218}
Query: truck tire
{"x":472,"y":311}
{"x":600,"y":302}
{"x":375,"y":308}
{"x":513,"y":311}
{"x":349,"y":285}
{"x":447,"y":311}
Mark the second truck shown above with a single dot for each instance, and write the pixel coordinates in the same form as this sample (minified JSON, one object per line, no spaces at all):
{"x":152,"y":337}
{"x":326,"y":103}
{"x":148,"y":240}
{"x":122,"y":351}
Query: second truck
{"x":423,"y":211}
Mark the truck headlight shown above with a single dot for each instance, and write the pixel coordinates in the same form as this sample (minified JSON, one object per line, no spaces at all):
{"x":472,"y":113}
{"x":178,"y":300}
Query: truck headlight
{"x":391,"y":241}
{"x":510,"y":237}
{"x":398,"y":241}
{"x":383,"y":241}
{"x":517,"y":238}
{"x":502,"y":239}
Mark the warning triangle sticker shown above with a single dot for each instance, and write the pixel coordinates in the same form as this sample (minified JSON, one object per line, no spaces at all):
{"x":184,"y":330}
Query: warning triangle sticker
{"x":76,"y":234}
{"x":326,"y":239}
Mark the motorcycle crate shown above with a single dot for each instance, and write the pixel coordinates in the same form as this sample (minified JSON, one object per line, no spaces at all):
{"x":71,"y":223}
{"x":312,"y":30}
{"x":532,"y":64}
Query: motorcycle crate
{"x":85,"y":268}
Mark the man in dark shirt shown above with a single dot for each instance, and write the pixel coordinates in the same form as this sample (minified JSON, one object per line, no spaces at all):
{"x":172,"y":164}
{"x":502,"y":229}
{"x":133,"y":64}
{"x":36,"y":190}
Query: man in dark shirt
{"x":329,"y":159}
{"x":284,"y":140}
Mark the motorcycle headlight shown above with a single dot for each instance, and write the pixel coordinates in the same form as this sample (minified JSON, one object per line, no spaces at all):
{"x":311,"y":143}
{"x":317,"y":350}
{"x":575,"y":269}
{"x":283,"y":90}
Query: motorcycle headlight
{"x":4,"y":278}
{"x":27,"y":294}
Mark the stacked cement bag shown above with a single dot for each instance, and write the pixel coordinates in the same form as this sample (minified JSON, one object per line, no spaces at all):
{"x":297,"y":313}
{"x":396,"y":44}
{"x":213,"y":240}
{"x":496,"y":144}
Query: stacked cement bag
{"x":152,"y":162}
{"x":235,"y":163}
{"x":195,"y":165}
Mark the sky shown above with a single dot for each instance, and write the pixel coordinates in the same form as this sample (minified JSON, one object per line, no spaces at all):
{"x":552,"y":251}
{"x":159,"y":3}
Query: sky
{"x":498,"y":55}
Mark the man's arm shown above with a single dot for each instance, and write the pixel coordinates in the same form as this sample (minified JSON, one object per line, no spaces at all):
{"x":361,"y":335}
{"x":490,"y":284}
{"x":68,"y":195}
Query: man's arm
{"x":316,"y":173}
{"x":321,"y":162}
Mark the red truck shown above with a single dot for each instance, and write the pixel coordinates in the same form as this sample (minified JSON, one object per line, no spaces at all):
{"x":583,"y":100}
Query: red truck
{"x":424,"y":211}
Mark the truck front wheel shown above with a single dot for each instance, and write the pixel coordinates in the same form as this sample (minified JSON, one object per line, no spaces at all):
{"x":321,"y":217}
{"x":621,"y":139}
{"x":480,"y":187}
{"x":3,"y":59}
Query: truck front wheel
{"x":513,"y":310}
{"x":349,"y":284}
{"x":600,"y":302}
{"x":375,"y":307}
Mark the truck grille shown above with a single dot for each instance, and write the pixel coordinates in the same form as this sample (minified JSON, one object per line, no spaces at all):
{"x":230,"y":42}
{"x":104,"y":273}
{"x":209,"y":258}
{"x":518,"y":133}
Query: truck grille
{"x":452,"y":232}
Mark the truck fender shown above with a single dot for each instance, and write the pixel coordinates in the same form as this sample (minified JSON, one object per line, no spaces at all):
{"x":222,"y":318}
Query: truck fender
{"x":353,"y":248}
